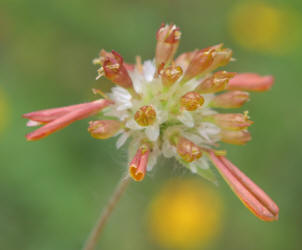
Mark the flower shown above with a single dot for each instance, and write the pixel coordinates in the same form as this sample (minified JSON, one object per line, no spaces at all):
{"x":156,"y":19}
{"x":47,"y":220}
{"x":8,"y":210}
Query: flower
{"x":185,"y":214}
{"x":265,"y":27}
{"x":165,"y":107}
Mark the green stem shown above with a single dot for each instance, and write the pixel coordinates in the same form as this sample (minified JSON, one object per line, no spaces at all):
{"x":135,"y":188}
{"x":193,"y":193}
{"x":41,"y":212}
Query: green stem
{"x":106,"y":212}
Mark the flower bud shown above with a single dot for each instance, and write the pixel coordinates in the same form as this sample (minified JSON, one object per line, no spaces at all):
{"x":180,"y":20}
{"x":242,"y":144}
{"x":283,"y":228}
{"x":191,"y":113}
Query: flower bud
{"x":138,"y":166}
{"x":230,"y":99}
{"x":187,"y":150}
{"x":251,"y":82}
{"x":170,"y":75}
{"x":167,"y":43}
{"x":191,"y":101}
{"x":199,"y":63}
{"x":145,"y":116}
{"x":114,"y":69}
{"x":217,"y":82}
{"x":221,"y":56}
{"x":238,"y":137}
{"x":103,"y":129}
{"x":230,"y":121}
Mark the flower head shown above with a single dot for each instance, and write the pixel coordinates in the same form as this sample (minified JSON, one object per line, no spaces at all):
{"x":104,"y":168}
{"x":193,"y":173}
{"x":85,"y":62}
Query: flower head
{"x":166,"y":107}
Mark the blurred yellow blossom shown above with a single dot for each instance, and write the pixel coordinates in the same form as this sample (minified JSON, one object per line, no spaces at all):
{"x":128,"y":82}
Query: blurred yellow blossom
{"x":4,"y":114}
{"x":264,"y":27}
{"x":185,"y":214}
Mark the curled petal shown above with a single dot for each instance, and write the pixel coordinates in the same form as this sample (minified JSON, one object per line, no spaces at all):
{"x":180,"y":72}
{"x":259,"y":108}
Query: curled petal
{"x":253,"y":197}
{"x":63,"y":121}
{"x":138,"y":166}
{"x":222,"y":56}
{"x":114,"y":69}
{"x":251,"y":82}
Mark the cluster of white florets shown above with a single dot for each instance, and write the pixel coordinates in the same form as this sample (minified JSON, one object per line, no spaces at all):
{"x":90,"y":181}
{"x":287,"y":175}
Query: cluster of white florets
{"x":170,"y":118}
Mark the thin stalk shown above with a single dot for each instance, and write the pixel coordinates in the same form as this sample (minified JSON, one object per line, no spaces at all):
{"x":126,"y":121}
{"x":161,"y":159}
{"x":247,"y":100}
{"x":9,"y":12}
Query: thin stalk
{"x":106,"y":212}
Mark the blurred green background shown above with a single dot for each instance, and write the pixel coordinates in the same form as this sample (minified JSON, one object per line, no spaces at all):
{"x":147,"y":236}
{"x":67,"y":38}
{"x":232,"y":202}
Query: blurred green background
{"x":52,"y":190}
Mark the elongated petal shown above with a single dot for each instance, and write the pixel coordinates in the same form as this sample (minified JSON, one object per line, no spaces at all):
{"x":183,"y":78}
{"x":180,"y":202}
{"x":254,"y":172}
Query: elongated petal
{"x":48,"y":115}
{"x":251,"y":82}
{"x":247,"y":191}
{"x":65,"y":120}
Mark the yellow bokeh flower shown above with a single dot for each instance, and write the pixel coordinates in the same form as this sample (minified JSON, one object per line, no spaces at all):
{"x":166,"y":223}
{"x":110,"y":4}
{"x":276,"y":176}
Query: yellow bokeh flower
{"x":264,"y":27}
{"x":185,"y":214}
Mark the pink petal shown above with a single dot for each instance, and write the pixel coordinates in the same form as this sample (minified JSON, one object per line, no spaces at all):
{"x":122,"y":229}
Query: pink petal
{"x":48,"y":115}
{"x":247,"y":191}
{"x":80,"y":113}
{"x":250,"y":82}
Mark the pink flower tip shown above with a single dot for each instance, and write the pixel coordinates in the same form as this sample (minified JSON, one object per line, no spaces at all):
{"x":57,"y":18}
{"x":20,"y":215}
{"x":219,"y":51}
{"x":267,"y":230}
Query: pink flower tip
{"x":251,"y":82}
{"x":138,"y":166}
{"x":252,"y":196}
{"x":59,"y":118}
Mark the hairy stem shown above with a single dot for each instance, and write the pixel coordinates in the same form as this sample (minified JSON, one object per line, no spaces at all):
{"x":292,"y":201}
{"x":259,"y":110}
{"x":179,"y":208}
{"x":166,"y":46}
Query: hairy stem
{"x":106,"y":212}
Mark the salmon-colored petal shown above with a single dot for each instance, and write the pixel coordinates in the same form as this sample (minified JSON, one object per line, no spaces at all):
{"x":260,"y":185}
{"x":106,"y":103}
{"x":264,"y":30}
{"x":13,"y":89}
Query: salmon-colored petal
{"x":63,"y":121}
{"x":48,"y":115}
{"x":247,"y":191}
{"x":251,"y":82}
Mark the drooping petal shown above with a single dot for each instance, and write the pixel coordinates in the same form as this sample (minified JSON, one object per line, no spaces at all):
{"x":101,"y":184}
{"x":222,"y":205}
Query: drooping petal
{"x":247,"y":191}
{"x":63,"y":121}
{"x":251,"y":82}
